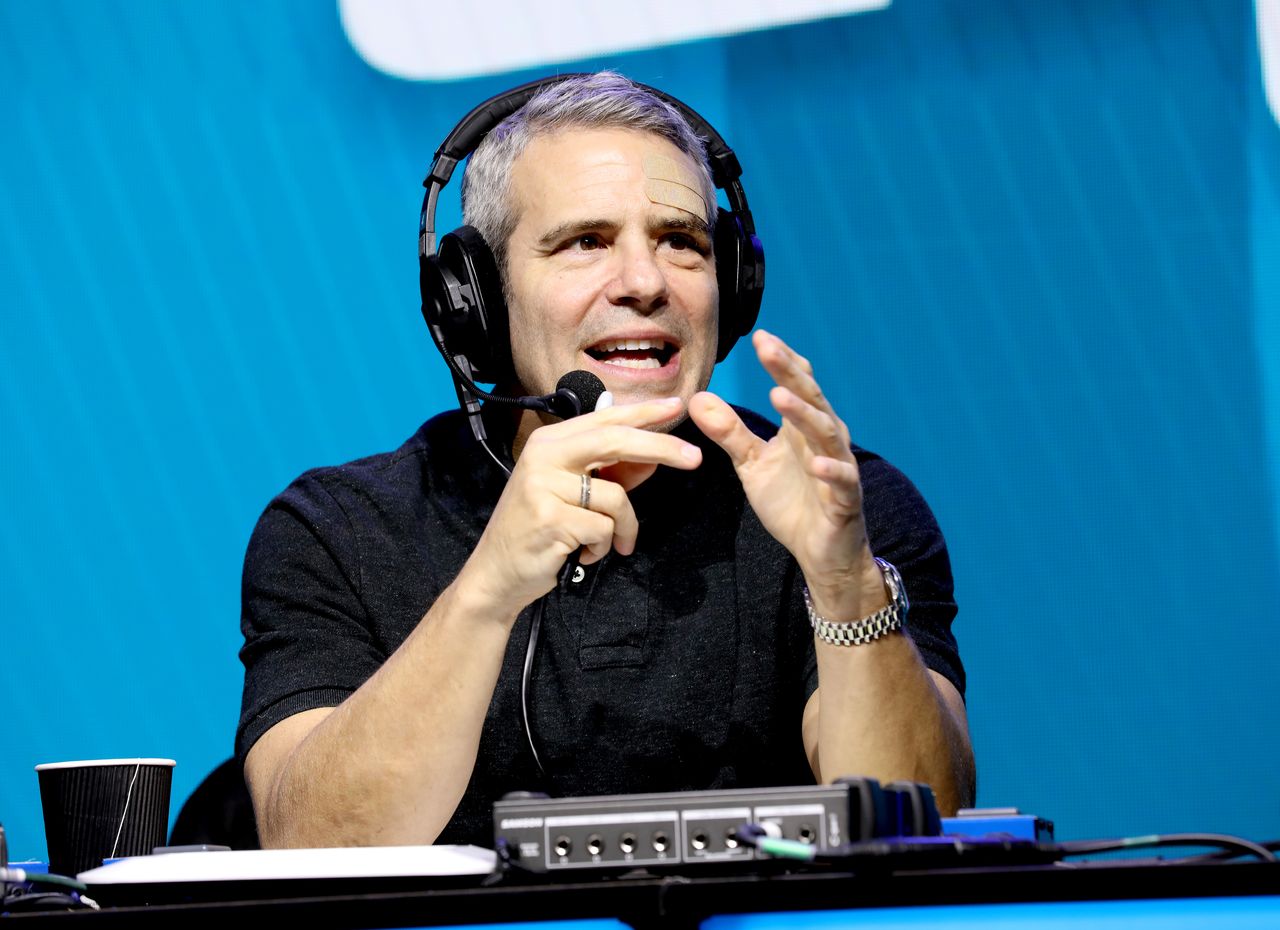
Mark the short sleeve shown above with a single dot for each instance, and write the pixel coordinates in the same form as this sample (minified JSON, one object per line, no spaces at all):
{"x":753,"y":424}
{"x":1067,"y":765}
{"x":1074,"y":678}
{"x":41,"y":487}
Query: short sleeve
{"x":902,"y":530}
{"x":307,"y":643}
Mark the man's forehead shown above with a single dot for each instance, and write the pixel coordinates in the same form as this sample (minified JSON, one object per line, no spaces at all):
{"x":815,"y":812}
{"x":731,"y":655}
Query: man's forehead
{"x":588,"y":163}
{"x":672,"y":183}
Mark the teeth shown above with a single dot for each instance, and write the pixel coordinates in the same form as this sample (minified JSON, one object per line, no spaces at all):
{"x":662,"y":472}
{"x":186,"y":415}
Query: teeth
{"x":633,"y":362}
{"x":631,"y":345}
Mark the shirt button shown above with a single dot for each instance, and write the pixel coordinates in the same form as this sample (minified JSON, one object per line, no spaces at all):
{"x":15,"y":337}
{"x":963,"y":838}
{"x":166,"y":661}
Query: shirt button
{"x":578,"y":574}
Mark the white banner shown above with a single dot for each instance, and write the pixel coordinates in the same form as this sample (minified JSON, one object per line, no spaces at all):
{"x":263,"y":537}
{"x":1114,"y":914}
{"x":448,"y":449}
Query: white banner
{"x":437,"y":41}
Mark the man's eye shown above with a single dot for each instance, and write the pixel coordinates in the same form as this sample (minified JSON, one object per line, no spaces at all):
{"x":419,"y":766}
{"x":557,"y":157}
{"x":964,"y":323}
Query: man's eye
{"x":587,"y":243}
{"x":684,"y":242}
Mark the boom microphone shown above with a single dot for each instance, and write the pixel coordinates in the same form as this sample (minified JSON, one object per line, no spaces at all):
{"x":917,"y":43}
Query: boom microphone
{"x":578,"y":392}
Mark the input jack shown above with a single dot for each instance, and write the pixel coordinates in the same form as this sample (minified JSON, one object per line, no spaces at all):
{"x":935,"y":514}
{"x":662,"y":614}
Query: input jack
{"x":699,"y":841}
{"x":731,"y":840}
{"x":627,"y":843}
{"x":807,"y":834}
{"x":562,"y":846}
{"x":660,"y":842}
{"x":595,"y":845}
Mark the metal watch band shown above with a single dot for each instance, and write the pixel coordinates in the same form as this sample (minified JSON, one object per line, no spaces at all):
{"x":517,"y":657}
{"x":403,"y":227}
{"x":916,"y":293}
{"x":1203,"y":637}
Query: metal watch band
{"x":868,"y":629}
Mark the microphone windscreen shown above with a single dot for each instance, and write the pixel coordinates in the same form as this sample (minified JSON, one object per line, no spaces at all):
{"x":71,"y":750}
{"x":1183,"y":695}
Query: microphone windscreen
{"x":585,"y":386}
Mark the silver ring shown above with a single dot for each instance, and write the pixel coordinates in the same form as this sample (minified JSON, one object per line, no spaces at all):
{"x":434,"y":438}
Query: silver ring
{"x":584,"y":498}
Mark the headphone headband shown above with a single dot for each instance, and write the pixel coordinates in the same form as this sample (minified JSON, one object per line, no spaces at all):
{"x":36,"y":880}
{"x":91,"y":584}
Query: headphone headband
{"x":484,"y":117}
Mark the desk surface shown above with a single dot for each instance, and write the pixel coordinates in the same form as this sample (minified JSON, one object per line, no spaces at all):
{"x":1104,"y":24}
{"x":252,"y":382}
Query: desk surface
{"x":1248,"y":894}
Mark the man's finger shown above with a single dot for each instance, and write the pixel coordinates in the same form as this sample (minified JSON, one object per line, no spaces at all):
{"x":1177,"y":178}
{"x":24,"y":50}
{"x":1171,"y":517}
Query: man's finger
{"x":789,"y":369}
{"x":643,"y":414}
{"x":629,"y":475}
{"x":608,"y":445}
{"x":725,"y":428}
{"x":608,"y":499}
{"x":842,"y":481}
{"x":586,"y":529}
{"x":824,"y":433}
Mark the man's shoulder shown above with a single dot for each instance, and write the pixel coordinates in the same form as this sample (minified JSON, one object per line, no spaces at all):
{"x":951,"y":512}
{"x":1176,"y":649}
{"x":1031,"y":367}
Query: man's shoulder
{"x":404,"y":471}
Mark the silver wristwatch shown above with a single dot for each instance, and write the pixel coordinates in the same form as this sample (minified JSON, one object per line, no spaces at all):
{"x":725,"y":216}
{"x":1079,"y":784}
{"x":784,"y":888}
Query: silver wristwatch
{"x":868,"y":629}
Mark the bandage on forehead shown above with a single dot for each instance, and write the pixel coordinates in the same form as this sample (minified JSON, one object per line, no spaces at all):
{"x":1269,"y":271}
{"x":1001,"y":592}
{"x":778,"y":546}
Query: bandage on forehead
{"x":669,"y":183}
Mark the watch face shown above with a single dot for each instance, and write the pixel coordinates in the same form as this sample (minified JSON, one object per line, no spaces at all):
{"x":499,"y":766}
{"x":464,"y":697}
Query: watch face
{"x":897,"y":590}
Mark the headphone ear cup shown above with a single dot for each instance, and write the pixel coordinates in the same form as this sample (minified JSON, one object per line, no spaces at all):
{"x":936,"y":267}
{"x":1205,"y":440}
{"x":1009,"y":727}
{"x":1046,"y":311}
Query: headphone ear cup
{"x":740,"y":276}
{"x":462,"y":295}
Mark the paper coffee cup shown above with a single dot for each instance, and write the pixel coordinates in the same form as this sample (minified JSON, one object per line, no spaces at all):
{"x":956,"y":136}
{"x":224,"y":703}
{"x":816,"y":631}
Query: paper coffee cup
{"x":103,"y":809}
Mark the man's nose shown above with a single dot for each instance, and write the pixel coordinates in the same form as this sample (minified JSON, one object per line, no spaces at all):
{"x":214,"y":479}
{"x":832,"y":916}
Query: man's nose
{"x":640,"y":282}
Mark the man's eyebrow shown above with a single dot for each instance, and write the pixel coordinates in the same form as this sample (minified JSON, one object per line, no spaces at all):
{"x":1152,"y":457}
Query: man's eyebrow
{"x":572,"y":228}
{"x":686,"y":224}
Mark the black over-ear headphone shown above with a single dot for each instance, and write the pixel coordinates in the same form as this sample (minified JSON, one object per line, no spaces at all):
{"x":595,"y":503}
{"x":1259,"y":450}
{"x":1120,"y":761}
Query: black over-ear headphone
{"x":462,"y":299}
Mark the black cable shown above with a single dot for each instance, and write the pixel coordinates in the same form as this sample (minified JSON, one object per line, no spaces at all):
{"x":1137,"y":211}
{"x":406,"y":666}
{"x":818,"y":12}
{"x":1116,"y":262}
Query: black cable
{"x":1235,"y":844}
{"x":1232,"y":846}
{"x":18,"y":902}
{"x":19,"y":892}
{"x":1226,"y":855}
{"x":567,"y":401}
{"x":20,"y":876}
{"x":527,"y":403}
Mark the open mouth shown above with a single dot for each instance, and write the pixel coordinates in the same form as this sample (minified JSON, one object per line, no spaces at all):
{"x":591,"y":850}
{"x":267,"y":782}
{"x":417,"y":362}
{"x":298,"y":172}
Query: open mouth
{"x":633,"y":353}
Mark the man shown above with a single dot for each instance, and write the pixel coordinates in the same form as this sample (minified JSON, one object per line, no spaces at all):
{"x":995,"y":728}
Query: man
{"x":386,"y":602}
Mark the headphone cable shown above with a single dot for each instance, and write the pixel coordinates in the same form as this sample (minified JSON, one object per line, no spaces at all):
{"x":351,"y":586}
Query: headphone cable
{"x":535,"y":628}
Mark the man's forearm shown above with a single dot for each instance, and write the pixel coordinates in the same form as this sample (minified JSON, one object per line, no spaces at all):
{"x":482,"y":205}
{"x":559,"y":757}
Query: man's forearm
{"x":390,"y":764}
{"x":880,"y":712}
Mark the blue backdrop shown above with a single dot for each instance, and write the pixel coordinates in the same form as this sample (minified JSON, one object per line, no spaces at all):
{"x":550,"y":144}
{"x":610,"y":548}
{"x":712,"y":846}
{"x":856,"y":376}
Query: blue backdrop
{"x":1030,"y":248}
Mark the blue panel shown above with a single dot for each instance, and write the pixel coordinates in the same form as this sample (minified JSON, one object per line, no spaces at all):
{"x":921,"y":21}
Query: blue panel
{"x":1019,"y":826}
{"x":546,"y":925}
{"x":1220,"y":913}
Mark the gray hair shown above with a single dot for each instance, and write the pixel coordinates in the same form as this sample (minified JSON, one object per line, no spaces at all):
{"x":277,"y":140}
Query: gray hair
{"x":591,"y":101}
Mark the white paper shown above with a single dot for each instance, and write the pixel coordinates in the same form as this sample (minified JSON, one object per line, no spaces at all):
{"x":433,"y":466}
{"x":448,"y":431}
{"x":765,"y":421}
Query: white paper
{"x":276,"y":864}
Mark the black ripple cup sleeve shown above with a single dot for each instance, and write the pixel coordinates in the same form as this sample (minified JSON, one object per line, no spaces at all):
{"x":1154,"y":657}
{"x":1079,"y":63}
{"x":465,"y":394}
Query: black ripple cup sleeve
{"x":102,"y":809}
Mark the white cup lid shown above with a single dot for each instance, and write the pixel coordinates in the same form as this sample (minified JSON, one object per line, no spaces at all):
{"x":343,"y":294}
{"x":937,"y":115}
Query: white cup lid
{"x":92,"y":763}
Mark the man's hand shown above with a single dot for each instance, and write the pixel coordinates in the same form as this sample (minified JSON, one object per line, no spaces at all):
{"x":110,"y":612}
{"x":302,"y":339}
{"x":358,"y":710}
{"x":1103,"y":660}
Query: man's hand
{"x":539,"y":522}
{"x":878,"y":710}
{"x":803,"y":483}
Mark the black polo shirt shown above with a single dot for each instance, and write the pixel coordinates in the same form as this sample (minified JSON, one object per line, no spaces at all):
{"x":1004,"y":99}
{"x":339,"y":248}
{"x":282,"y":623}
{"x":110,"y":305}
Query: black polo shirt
{"x":685,"y":665}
